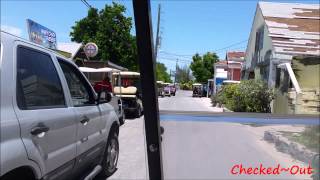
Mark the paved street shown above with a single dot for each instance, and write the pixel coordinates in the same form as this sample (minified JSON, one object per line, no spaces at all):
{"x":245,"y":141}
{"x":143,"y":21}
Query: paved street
{"x":197,"y":150}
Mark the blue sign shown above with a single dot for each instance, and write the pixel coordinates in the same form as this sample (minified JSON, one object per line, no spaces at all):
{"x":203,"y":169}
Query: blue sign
{"x":219,"y":81}
{"x":41,"y":35}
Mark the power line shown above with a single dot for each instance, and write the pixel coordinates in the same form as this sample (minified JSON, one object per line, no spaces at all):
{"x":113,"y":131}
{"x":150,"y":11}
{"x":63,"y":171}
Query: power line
{"x":231,"y":45}
{"x":174,"y":60}
{"x":172,"y":57}
{"x":217,"y":50}
{"x":86,"y":3}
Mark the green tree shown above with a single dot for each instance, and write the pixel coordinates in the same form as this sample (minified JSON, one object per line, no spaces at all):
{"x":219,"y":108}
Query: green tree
{"x":183,"y":74}
{"x":202,"y":66}
{"x":110,"y":29}
{"x":161,"y":73}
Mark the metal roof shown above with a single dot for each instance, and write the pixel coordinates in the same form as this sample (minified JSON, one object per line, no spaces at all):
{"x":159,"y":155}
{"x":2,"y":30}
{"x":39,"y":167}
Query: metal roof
{"x":72,"y":47}
{"x":294,"y":28}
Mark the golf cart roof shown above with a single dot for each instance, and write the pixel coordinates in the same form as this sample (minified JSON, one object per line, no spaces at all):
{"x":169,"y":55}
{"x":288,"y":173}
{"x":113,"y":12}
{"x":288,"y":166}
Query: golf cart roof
{"x":166,"y":83}
{"x":105,"y":69}
{"x":87,"y":69}
{"x":127,"y":73}
{"x":230,"y":82}
{"x":160,"y":82}
{"x":196,"y":84}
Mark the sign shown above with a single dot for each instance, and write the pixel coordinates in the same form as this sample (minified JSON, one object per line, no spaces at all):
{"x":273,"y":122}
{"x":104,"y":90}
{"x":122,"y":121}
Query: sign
{"x":41,"y":35}
{"x":90,"y":49}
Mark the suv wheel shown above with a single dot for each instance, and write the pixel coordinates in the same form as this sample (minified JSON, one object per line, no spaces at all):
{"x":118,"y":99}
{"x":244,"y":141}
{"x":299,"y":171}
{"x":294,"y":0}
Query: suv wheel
{"x":122,"y":118}
{"x":111,"y":155}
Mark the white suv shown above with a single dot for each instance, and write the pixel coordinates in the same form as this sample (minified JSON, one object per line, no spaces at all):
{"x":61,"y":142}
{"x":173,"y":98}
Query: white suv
{"x":53,"y":125}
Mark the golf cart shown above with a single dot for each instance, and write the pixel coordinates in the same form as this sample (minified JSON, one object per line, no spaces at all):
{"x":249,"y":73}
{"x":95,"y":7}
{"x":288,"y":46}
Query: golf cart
{"x":129,"y":90}
{"x":167,"y":90}
{"x":204,"y":89}
{"x":96,"y":77}
{"x":173,"y":89}
{"x":197,"y":90}
{"x":160,"y":86}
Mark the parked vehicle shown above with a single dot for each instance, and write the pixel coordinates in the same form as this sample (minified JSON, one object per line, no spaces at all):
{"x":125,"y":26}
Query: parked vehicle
{"x":167,"y":91}
{"x":129,"y":90}
{"x":102,"y":89}
{"x":173,"y":89}
{"x":204,"y":88}
{"x":160,"y":87}
{"x":53,"y":125}
{"x":196,"y":90}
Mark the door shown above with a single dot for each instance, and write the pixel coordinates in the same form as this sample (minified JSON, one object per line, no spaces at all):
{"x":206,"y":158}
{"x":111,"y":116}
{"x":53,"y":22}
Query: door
{"x":48,"y":126}
{"x":91,"y":127}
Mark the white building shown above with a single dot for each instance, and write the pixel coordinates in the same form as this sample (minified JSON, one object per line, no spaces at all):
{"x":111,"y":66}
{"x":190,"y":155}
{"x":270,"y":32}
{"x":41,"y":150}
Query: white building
{"x":280,"y":33}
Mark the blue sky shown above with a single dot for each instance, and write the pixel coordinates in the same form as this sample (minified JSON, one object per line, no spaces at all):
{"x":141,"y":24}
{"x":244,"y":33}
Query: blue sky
{"x":187,"y":26}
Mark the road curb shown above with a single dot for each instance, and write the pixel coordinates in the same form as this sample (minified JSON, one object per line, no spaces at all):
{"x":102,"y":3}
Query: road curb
{"x":282,"y":144}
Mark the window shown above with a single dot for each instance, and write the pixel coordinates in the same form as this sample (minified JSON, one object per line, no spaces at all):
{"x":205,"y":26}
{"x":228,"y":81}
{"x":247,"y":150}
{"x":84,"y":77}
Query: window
{"x":80,"y":92}
{"x":259,"y":39}
{"x":38,"y":83}
{"x":278,"y":74}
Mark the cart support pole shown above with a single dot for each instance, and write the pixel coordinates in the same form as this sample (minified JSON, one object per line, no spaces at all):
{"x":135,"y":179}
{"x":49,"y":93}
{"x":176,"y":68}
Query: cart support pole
{"x":146,"y":56}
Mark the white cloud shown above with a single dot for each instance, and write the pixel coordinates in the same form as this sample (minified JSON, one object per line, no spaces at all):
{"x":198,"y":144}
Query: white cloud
{"x":12,"y":30}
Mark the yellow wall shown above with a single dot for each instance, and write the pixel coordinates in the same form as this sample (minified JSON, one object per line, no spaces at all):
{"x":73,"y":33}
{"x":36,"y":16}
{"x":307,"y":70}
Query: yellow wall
{"x":308,"y":74}
{"x":307,"y":71}
{"x":280,"y":103}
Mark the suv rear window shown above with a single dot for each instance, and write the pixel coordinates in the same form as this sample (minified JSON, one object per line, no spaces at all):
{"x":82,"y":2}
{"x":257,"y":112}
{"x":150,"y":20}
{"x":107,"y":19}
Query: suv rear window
{"x":38,"y":83}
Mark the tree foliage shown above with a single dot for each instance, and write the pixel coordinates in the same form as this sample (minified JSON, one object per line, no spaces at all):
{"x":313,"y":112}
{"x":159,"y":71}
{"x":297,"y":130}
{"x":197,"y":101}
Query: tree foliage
{"x":110,"y":29}
{"x":161,"y":73}
{"x":183,"y":74}
{"x":202,"y":66}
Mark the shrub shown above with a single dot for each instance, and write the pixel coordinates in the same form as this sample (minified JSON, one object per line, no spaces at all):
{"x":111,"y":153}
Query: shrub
{"x":248,"y":96}
{"x":186,"y":85}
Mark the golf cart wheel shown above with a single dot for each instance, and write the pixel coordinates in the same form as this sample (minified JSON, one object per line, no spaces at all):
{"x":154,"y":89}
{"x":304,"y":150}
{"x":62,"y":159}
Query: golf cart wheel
{"x":111,"y":155}
{"x":138,"y":112}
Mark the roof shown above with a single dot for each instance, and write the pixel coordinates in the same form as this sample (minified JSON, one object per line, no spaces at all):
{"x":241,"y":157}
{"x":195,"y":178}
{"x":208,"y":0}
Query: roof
{"x":113,"y":65}
{"x":196,"y":84}
{"x":294,"y":28}
{"x":91,"y":70}
{"x":235,"y":55}
{"x":129,"y":73}
{"x":230,"y":82}
{"x":221,"y":64}
{"x":72,"y":48}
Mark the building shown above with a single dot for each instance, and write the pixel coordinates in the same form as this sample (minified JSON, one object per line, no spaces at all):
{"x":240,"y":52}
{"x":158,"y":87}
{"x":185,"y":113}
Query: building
{"x":283,"y":50}
{"x":220,"y":74}
{"x":234,"y":60}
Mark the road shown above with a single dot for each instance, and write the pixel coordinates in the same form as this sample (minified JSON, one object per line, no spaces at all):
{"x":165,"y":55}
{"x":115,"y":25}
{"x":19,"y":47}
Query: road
{"x":197,"y":149}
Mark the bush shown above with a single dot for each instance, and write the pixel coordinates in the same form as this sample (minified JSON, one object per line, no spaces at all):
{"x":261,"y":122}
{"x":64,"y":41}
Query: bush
{"x":248,"y":96}
{"x":186,"y":85}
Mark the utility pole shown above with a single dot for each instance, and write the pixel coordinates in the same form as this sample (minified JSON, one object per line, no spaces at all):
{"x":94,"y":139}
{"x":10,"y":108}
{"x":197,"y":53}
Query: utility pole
{"x":158,"y":36}
{"x":175,"y":73}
